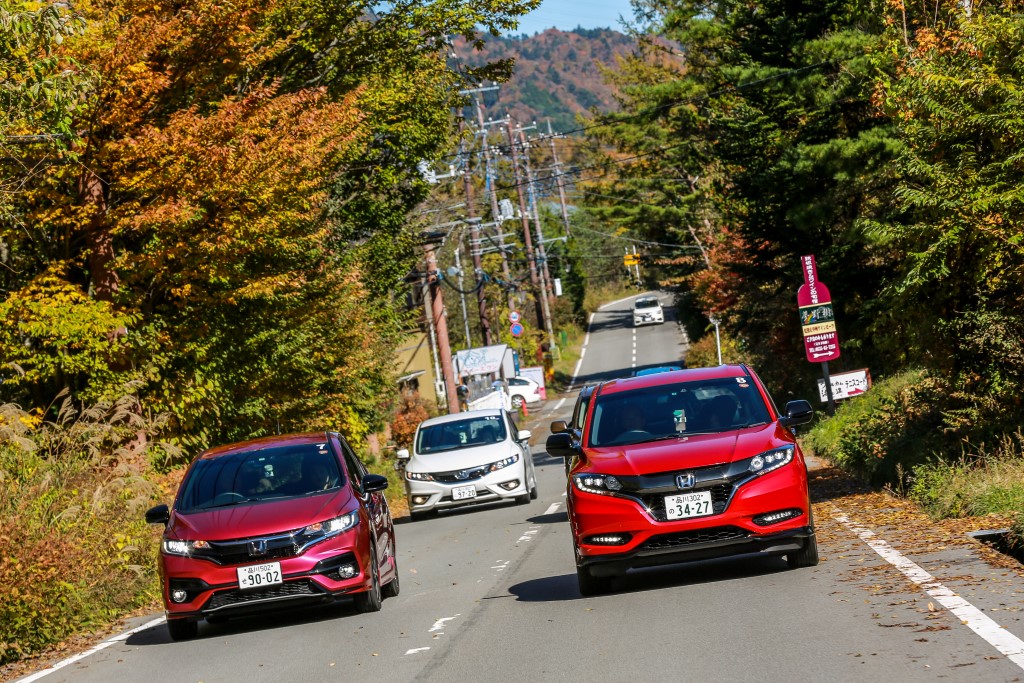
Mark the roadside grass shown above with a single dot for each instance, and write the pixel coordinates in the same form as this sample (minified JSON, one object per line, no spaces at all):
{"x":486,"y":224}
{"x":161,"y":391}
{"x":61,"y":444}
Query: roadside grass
{"x":76,"y":552}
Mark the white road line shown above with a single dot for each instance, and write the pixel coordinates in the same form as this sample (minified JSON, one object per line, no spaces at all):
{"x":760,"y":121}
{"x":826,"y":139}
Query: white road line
{"x":552,"y":508}
{"x":972,"y":617}
{"x":105,"y":644}
{"x":558,"y":405}
{"x":439,"y":624}
{"x":533,"y":530}
{"x":416,"y":649}
{"x":501,"y":567}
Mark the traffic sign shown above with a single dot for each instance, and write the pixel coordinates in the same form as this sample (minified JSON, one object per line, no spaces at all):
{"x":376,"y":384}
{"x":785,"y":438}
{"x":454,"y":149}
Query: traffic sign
{"x":513,"y":316}
{"x":516,"y":329}
{"x":846,"y":384}
{"x":817,"y":319}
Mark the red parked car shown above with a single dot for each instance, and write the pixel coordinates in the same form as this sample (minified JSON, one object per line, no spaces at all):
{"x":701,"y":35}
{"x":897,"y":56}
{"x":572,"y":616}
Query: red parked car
{"x":271,"y":523}
{"x":685,"y":465}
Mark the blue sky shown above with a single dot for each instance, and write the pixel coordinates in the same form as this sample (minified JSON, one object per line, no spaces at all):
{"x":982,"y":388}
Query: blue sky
{"x":569,"y":14}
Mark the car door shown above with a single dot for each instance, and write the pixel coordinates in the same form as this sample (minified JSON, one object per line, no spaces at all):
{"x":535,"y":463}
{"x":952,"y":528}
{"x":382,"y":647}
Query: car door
{"x":524,"y":448}
{"x":375,"y":502}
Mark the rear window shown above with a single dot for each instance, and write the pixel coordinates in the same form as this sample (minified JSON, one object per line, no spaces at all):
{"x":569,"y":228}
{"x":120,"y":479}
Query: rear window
{"x":477,"y":431}
{"x":680,"y":409}
{"x":258,"y":475}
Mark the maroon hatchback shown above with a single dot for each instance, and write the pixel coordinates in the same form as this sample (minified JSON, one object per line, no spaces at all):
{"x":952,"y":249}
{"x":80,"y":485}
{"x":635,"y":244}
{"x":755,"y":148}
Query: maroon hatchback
{"x":273,"y":523}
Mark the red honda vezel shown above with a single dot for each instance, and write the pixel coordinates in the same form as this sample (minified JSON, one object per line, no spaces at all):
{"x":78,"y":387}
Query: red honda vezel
{"x":271,"y":523}
{"x":685,"y":465}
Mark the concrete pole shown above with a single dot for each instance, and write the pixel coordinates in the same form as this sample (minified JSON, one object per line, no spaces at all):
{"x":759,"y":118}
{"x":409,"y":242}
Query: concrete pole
{"x":444,"y":349}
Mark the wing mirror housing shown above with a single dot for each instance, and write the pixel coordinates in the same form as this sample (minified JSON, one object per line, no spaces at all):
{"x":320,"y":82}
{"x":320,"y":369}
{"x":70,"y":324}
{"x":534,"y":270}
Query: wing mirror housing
{"x":561,"y":445}
{"x":401,"y":458}
{"x":374,"y":482}
{"x":797,"y":413}
{"x":524,"y":435}
{"x":559,"y":426}
{"x":161,"y":514}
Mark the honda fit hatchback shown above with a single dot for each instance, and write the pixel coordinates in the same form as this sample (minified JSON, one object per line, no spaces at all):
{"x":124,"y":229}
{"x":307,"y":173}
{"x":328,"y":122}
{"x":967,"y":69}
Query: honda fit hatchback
{"x":277,"y":522}
{"x":685,"y":465}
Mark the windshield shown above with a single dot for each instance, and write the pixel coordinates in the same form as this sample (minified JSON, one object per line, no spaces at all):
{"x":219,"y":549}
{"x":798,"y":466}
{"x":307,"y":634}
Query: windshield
{"x":477,"y":431}
{"x":674,"y":410}
{"x":257,"y":475}
{"x":647,"y":303}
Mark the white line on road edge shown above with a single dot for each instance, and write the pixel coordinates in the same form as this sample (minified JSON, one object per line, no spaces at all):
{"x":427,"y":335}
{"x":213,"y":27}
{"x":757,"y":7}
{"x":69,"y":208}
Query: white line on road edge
{"x":416,"y":649}
{"x":558,"y":405}
{"x":976,"y":620}
{"x":105,"y":644}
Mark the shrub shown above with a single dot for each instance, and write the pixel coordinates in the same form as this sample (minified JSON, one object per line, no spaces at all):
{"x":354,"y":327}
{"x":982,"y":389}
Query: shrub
{"x":704,"y":353}
{"x":76,"y":550}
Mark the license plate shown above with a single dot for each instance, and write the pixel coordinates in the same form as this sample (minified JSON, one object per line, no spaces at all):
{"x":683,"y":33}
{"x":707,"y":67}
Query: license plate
{"x":463,"y":492}
{"x":685,"y":505}
{"x":259,"y":575}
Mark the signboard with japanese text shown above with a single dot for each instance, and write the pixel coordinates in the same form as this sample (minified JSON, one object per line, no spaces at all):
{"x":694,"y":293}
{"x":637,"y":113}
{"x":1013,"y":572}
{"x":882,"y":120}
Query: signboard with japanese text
{"x":817,"y":319}
{"x":846,"y":384}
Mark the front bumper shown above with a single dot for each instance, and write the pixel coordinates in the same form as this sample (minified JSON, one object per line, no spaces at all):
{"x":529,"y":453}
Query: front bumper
{"x":648,"y":320}
{"x":313,"y":577}
{"x":733,"y":531}
{"x":505,"y":483}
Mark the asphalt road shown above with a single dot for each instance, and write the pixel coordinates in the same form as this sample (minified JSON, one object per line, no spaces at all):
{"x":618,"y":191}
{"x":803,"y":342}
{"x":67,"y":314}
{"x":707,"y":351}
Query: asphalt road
{"x":489,"y":594}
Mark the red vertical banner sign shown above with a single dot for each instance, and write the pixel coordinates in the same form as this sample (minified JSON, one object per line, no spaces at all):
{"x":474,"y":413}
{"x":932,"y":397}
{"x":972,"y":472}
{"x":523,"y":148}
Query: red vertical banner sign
{"x":817,"y":318}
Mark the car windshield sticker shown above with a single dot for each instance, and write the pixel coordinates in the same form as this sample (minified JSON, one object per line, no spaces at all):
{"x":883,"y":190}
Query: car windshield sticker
{"x":680,"y":419}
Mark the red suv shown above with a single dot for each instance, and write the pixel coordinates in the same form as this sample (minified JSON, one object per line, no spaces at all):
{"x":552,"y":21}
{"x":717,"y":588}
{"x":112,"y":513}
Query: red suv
{"x":272,"y":523}
{"x":685,"y":465}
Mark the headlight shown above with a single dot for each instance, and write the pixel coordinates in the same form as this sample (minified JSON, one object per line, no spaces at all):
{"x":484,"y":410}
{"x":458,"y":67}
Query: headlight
{"x":605,"y":484}
{"x":332,"y":526}
{"x":419,"y":476}
{"x":501,"y":464}
{"x":184,"y":548}
{"x":770,"y":460}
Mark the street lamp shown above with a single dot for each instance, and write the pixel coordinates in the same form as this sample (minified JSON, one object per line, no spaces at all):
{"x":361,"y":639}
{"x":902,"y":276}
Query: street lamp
{"x":718,"y":339}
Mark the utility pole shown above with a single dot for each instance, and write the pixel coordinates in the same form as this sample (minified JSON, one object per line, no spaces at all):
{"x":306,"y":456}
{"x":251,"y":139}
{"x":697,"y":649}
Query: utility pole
{"x":462,"y":293}
{"x":545,"y":275}
{"x":474,"y":236}
{"x":440,"y":322}
{"x":559,"y":182}
{"x":527,"y":239}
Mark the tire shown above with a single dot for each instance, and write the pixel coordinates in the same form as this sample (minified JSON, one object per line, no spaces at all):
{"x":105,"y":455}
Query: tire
{"x":590,"y":584}
{"x":517,"y":401}
{"x":182,"y":629}
{"x":370,"y":600}
{"x":392,"y":587}
{"x":808,"y":555}
{"x":533,"y":492}
{"x":523,"y":499}
{"x":420,"y":516}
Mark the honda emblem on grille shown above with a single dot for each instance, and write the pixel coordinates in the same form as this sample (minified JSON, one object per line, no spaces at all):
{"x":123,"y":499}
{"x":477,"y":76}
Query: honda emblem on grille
{"x":686,"y":481}
{"x":257,"y":548}
{"x":462,"y":475}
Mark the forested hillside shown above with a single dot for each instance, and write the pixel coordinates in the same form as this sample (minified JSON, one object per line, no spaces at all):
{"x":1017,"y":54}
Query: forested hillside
{"x":558,"y":74}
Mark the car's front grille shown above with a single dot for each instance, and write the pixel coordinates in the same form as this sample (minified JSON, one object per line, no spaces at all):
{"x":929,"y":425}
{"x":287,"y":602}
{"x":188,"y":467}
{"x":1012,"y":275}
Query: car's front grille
{"x":247,"y":550}
{"x":289,"y":589}
{"x":720,"y":494}
{"x":689,"y":538}
{"x":459,"y":476}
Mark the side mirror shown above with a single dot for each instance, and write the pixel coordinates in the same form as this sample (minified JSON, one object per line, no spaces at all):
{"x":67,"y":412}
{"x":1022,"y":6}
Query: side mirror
{"x":559,"y":426}
{"x":560,"y":445}
{"x":797,"y":413}
{"x":524,"y":435}
{"x":374,"y":482}
{"x":160,"y":514}
{"x":401,"y":458}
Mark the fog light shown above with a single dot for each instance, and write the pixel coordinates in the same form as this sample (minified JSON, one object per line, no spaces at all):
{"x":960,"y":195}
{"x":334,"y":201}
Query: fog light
{"x":608,"y":539}
{"x":775,"y":517}
{"x":179,"y":595}
{"x":347,"y":571}
{"x":419,"y":500}
{"x":509,"y":485}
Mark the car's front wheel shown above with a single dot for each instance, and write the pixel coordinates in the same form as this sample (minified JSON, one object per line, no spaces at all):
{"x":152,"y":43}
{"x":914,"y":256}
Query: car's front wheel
{"x":517,"y":401}
{"x":590,"y":584}
{"x":182,"y":629}
{"x":370,"y":600}
{"x":806,"y":556}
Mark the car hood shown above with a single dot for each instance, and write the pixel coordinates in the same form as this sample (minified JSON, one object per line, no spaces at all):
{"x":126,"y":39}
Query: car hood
{"x":460,"y":458}
{"x":257,"y":519}
{"x":700,"y":450}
